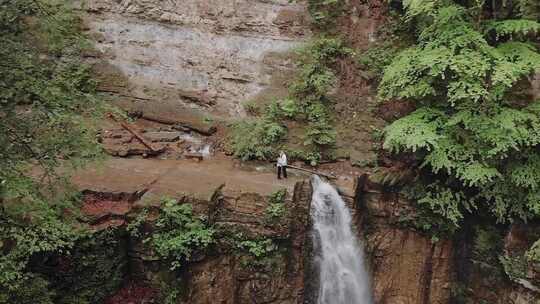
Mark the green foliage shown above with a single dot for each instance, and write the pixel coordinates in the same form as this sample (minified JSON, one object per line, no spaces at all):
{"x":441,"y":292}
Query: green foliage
{"x":86,"y":270}
{"x":256,"y":139}
{"x":48,"y":109}
{"x":170,"y":291}
{"x":257,"y":248}
{"x":487,"y":246}
{"x":325,"y":12}
{"x":21,"y":240}
{"x":36,"y":290}
{"x":278,"y":197}
{"x":308,"y":104}
{"x":437,"y":214}
{"x":533,"y":254}
{"x":260,"y":254}
{"x":476,"y":147}
{"x":134,"y":226}
{"x":179,"y":233}
{"x":252,"y":107}
{"x":529,"y":9}
{"x":514,"y":28}
{"x":93,"y":270}
{"x":487,"y":243}
{"x":311,"y":92}
{"x":316,"y":74}
{"x":289,"y":108}
{"x":416,"y":8}
{"x":276,"y":209}
{"x":377,"y":58}
{"x":515,"y":266}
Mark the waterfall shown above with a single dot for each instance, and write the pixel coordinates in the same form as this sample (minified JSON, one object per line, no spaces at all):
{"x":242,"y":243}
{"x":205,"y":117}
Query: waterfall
{"x":339,"y":255}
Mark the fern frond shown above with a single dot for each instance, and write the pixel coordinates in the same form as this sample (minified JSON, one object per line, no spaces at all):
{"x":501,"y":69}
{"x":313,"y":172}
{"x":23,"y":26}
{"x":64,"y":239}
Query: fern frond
{"x":416,"y":131}
{"x":419,"y":7}
{"x":513,"y":28}
{"x":525,"y":174}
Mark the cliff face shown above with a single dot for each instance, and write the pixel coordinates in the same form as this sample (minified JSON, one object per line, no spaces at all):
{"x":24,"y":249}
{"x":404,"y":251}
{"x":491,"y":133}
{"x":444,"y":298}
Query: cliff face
{"x":406,"y":266}
{"x":222,"y":274}
{"x":179,"y":61}
{"x":204,"y":55}
{"x":409,"y":268}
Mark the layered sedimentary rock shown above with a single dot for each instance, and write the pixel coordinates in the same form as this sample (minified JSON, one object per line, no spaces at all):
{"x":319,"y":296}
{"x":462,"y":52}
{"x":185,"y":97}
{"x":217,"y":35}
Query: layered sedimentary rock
{"x":407,"y":267}
{"x":207,"y":55}
{"x":221,"y":274}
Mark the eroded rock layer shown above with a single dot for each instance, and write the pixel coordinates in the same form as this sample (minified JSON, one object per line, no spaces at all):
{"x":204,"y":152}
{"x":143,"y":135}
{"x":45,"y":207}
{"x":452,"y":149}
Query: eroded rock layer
{"x":223,"y":273}
{"x":210,"y":55}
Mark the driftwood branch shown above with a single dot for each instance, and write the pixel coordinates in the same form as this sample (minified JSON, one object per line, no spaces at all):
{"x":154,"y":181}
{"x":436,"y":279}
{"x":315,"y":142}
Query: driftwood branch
{"x":136,"y":135}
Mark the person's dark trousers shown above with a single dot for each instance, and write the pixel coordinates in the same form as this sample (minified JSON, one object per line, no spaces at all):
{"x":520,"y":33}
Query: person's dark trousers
{"x":281,"y":169}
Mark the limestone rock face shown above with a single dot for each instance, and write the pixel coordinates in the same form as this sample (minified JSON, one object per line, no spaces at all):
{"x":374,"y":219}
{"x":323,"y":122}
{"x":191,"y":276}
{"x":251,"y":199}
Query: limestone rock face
{"x":207,"y":55}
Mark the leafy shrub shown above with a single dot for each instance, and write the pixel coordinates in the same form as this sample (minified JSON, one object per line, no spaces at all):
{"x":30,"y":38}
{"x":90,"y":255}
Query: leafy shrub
{"x":276,"y":208}
{"x":252,"y":107}
{"x":93,"y":269}
{"x":256,"y":139}
{"x":529,"y":9}
{"x":515,"y":266}
{"x":259,"y":254}
{"x":308,"y":103}
{"x":36,"y":290}
{"x":22,"y":242}
{"x":377,"y":58}
{"x":133,"y":227}
{"x":533,"y":254}
{"x":325,"y":12}
{"x":320,"y":133}
{"x":276,"y":211}
{"x":48,"y":108}
{"x":278,"y":197}
{"x":170,"y":293}
{"x":487,"y":243}
{"x":290,"y":108}
{"x":179,"y":233}
{"x":257,"y":248}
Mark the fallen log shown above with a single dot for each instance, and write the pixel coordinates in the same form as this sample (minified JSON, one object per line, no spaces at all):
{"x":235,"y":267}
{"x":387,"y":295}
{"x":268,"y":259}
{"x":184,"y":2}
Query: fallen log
{"x":136,"y":135}
{"x":312,"y":172}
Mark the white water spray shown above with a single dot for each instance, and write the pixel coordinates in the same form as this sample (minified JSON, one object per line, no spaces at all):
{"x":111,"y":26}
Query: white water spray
{"x":339,"y":256}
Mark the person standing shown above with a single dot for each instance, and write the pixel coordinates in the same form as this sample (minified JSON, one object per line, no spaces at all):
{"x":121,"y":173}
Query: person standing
{"x":282,"y":165}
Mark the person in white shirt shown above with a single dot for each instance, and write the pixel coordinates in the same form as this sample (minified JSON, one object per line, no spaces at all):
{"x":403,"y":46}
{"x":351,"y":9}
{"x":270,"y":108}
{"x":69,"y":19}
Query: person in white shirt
{"x":282,"y":165}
